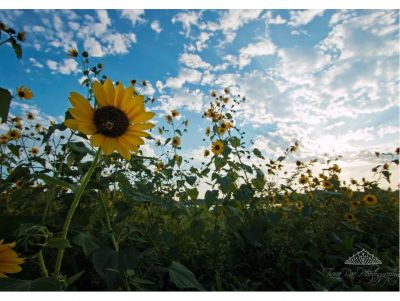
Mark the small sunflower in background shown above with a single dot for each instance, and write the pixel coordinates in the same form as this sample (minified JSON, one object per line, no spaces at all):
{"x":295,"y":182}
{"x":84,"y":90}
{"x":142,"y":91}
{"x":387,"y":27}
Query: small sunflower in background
{"x":34,"y":151}
{"x":370,"y":199}
{"x":303,"y":179}
{"x":327,"y":185}
{"x":213,"y":93}
{"x":9,"y":260}
{"x":3,"y":139}
{"x":14,"y":134}
{"x":73,"y":52}
{"x":24,"y":92}
{"x":38,"y":127}
{"x":208,"y":131}
{"x":18,"y":184}
{"x":206,"y":153}
{"x":217,"y":147}
{"x":349,"y":217}
{"x":299,"y":205}
{"x":117,"y":123}
{"x":354,"y":204}
{"x":169,"y":118}
{"x":30,"y":116}
{"x":160,"y":166}
{"x":176,"y":141}
{"x":175,"y":113}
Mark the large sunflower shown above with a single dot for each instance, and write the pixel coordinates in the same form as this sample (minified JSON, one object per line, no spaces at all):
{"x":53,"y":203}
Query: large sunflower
{"x":9,"y":260}
{"x":116,"y":123}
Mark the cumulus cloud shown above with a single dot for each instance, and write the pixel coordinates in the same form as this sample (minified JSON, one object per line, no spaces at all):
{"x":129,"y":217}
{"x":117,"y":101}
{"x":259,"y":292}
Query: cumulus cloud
{"x":303,"y":17}
{"x":193,"y":61}
{"x":185,"y":75}
{"x":155,"y":25}
{"x":234,"y":19}
{"x":260,"y":48}
{"x":188,"y":19}
{"x":36,"y":63}
{"x":66,"y":66}
{"x":133,"y":15}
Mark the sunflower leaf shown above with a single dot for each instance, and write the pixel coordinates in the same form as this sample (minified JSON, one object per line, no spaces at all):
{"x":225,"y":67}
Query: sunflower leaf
{"x":5,"y":100}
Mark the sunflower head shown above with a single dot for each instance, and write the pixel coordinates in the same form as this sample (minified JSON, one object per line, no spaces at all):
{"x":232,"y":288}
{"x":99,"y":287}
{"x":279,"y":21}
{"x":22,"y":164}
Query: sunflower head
{"x":176,"y":141}
{"x":217,"y":147}
{"x":354,"y":204}
{"x":34,"y":151}
{"x":208,"y":131}
{"x":14,"y":134}
{"x":175,"y":113}
{"x":349,"y":217}
{"x":303,"y":180}
{"x":73,"y":52}
{"x":160,"y":166}
{"x":30,"y":116}
{"x":299,"y":205}
{"x":169,"y":118}
{"x":370,"y":199}
{"x":3,"y":139}
{"x":206,"y":153}
{"x":9,"y":260}
{"x":116,"y":123}
{"x":24,"y":92}
{"x":327,"y":184}
{"x":213,"y":93}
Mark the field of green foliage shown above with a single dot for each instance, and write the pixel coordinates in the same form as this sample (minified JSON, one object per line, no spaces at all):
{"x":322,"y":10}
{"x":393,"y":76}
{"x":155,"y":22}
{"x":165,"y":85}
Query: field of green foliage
{"x":82,"y":209}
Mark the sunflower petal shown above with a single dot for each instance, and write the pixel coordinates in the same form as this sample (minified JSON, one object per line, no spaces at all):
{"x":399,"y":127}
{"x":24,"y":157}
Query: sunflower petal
{"x":10,"y":268}
{"x":87,"y":129}
{"x":126,"y":100}
{"x":123,"y":150}
{"x":143,"y":126}
{"x":108,"y":146}
{"x":100,"y":94}
{"x":97,"y":140}
{"x":82,"y":115}
{"x":131,"y":140}
{"x":109,"y":90}
{"x":143,"y":117}
{"x":119,"y":95}
{"x":79,"y":102}
{"x":136,"y":107}
{"x":72,"y":124}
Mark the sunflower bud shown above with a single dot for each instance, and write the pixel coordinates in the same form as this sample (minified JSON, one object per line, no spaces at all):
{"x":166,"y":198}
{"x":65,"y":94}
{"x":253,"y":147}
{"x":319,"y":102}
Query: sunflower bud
{"x":31,"y":239}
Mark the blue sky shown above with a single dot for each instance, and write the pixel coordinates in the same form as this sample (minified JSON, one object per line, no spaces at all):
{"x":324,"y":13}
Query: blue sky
{"x":327,"y":78}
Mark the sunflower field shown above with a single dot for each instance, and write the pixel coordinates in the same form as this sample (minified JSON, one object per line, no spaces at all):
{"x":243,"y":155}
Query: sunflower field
{"x":82,"y":209}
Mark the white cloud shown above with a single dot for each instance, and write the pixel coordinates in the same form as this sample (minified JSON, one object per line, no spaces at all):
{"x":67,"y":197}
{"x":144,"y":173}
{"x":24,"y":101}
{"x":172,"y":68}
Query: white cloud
{"x":234,"y":19}
{"x":35,"y":63}
{"x":185,"y":76}
{"x":260,"y":48}
{"x":191,"y":100}
{"x":270,"y":19}
{"x":134,"y":15}
{"x":66,"y":67}
{"x":93,"y":47}
{"x":303,"y":17}
{"x":155,"y":25}
{"x":193,"y":61}
{"x":188,"y":19}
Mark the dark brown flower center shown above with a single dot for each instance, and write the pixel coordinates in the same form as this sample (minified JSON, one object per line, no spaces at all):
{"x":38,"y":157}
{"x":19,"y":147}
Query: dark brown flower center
{"x":111,"y":121}
{"x":21,"y":93}
{"x":216,"y":147}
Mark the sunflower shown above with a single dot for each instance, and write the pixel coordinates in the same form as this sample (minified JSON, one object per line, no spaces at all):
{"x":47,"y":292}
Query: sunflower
{"x":299,"y":205}
{"x":354,"y":204}
{"x":327,"y":184}
{"x":213,"y":93}
{"x":3,"y":139}
{"x":117,"y":123}
{"x":24,"y":92}
{"x":226,"y":99}
{"x":30,"y":116}
{"x":160,"y":166}
{"x":303,"y":179}
{"x":176,"y":141}
{"x":208,"y":131}
{"x":73,"y":52}
{"x":217,"y":147}
{"x":206,"y":153}
{"x":34,"y":151}
{"x":38,"y":127}
{"x":169,"y":118}
{"x":349,"y":217}
{"x":14,"y":134}
{"x":18,"y":184}
{"x":370,"y":199}
{"x":174,"y":113}
{"x":9,"y":260}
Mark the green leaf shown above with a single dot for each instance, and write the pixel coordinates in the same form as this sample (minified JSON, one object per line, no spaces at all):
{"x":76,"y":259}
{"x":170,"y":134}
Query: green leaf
{"x":211,"y":197}
{"x":58,"y":243}
{"x":18,"y":173}
{"x":182,"y":277}
{"x":73,"y":278}
{"x":40,"y":284}
{"x":17,"y":49}
{"x":80,"y":147}
{"x":257,"y":152}
{"x":193,"y":193}
{"x":191,"y":180}
{"x":86,"y":241}
{"x":14,"y":149}
{"x":52,"y":129}
{"x":54,"y":181}
{"x":5,"y":100}
{"x":106,"y":260}
{"x":235,"y":141}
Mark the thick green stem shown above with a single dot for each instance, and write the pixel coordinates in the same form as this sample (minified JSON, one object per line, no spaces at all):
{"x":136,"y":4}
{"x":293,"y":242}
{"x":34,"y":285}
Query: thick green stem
{"x":108,"y":223}
{"x":42,"y":264}
{"x":74,"y":205}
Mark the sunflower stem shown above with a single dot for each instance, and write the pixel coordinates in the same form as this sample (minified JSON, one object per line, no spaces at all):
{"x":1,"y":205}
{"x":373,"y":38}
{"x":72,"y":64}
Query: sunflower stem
{"x":75,"y":203}
{"x":42,"y":264}
{"x":108,"y":223}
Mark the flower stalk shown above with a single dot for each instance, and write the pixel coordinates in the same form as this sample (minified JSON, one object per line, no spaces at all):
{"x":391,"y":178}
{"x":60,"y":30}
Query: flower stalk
{"x":73,"y":207}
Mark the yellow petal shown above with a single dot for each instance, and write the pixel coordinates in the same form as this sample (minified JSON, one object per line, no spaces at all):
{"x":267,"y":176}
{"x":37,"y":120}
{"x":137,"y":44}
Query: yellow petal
{"x":10,"y":268}
{"x":143,"y":126}
{"x":131,"y":140}
{"x":132,"y":133}
{"x":109,"y":90}
{"x":108,"y":145}
{"x":100,"y":94}
{"x":81,"y":115}
{"x":2,"y":275}
{"x":119,"y":95}
{"x":97,"y":140}
{"x":80,"y":102}
{"x":87,"y":129}
{"x":143,"y":117}
{"x":126,"y":100}
{"x":124,"y":151}
{"x":72,"y":124}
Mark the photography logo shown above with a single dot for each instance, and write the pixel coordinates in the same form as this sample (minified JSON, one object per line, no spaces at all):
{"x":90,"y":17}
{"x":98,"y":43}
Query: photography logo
{"x":363,"y":258}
